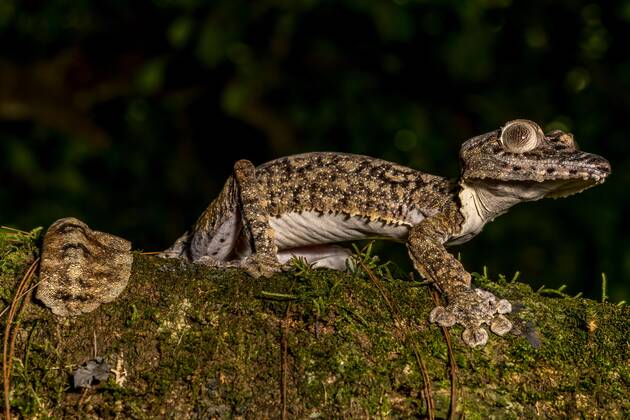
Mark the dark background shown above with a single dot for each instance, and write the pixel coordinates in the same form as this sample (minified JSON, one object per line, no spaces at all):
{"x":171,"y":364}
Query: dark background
{"x":130,"y":115}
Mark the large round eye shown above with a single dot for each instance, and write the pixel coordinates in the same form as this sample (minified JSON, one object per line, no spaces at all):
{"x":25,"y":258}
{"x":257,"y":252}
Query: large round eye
{"x":520,"y":136}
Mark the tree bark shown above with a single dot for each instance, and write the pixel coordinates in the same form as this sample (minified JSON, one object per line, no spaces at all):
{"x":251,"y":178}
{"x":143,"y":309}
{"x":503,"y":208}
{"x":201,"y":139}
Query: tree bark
{"x":186,"y":341}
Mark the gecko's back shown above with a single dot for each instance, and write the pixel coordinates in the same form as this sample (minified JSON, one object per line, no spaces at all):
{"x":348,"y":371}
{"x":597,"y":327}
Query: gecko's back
{"x":354,"y":185}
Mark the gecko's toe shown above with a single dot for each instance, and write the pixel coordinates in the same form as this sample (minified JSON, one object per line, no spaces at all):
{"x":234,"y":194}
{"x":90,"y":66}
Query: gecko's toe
{"x":500,"y":325}
{"x":211,"y":262}
{"x":441,"y":316}
{"x":475,"y":336}
{"x":254,"y":265}
{"x":504,"y":306}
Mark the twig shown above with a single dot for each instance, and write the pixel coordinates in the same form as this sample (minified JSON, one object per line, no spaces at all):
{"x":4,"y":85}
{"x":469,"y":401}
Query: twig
{"x":13,"y":229}
{"x":451,"y":360}
{"x":278,"y":296}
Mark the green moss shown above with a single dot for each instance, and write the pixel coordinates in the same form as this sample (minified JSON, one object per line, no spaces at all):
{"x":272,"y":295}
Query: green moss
{"x":18,"y":249}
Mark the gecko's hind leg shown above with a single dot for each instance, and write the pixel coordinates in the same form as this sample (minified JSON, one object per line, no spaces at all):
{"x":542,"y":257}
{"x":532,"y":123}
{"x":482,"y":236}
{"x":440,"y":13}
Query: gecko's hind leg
{"x":179,"y":249}
{"x":234,"y":230}
{"x":215,"y":234}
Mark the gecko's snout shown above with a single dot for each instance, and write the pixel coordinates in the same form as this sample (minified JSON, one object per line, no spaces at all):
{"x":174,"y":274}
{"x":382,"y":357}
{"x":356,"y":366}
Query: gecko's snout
{"x":579,"y":174}
{"x":604,"y":167}
{"x":596,"y":168}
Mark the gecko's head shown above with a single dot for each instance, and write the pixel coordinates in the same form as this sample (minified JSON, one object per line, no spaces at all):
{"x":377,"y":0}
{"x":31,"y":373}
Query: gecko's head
{"x":522,"y":156}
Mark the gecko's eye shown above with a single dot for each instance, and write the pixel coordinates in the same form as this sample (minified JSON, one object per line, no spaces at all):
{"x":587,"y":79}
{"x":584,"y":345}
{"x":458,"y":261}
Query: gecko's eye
{"x":520,"y":136}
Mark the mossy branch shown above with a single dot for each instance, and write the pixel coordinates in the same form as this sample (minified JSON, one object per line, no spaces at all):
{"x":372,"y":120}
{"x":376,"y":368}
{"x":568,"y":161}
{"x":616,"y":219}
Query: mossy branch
{"x":185,"y":340}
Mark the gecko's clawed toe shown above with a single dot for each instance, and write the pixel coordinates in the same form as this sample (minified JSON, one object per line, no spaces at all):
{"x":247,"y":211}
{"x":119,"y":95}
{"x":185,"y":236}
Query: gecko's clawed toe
{"x":504,"y":306}
{"x":254,"y":265}
{"x":441,"y":316}
{"x":500,"y":325}
{"x":475,"y":336}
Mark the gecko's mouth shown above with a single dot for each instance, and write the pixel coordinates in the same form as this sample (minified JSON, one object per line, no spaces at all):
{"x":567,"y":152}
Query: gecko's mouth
{"x":562,"y":180}
{"x":579,"y":177}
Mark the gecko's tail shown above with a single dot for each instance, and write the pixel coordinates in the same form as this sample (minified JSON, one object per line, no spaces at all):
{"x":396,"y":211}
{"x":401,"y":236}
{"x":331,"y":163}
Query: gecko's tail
{"x":179,"y":249}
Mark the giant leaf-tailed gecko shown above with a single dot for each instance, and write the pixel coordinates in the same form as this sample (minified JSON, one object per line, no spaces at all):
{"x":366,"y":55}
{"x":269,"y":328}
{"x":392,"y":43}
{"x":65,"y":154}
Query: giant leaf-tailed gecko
{"x":304,"y":205}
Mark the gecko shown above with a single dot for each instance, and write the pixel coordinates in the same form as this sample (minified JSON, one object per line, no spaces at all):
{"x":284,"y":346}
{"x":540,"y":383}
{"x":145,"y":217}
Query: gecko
{"x":305,"y":205}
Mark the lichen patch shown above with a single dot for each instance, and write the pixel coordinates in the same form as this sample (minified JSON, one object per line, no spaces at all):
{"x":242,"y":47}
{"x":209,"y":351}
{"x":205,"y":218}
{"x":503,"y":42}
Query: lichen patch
{"x":178,"y":324}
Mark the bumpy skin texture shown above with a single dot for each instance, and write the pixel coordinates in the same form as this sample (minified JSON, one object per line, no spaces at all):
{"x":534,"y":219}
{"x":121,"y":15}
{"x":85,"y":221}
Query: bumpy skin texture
{"x":300,"y":205}
{"x":81,"y":268}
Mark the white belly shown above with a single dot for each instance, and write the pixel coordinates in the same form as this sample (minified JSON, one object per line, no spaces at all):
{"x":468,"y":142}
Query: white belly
{"x":312,"y":228}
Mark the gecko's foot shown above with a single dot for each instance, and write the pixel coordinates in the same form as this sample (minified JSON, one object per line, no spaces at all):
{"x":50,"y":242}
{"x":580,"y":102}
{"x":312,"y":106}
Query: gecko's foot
{"x":472,"y":308}
{"x":259,"y":266}
{"x":254,"y":265}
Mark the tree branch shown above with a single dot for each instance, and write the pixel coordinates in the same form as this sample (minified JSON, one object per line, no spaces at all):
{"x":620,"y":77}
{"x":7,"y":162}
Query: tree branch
{"x":186,"y":340}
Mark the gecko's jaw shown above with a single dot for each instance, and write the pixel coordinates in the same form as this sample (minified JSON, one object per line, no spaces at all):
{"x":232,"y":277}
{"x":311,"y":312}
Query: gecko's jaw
{"x":570,"y":187}
{"x":550,"y":176}
{"x":535,"y":180}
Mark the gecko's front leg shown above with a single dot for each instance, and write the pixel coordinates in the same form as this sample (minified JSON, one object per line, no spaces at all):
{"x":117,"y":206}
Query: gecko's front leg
{"x":467,"y":306}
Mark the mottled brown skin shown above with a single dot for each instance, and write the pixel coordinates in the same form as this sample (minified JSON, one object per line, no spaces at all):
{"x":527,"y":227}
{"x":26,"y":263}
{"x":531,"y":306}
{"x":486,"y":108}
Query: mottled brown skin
{"x":360,"y":186}
{"x":299,"y":205}
{"x":357,"y":186}
{"x":376,"y":190}
{"x":324,"y":182}
{"x":352,"y":184}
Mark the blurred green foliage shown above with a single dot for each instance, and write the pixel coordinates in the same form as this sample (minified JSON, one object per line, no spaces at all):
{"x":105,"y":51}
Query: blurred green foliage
{"x":129,"y":115}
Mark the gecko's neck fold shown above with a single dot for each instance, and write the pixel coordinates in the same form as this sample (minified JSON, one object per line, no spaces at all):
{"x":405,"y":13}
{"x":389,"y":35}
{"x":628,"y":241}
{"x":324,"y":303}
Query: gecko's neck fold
{"x":481,"y":201}
{"x":491,"y":200}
